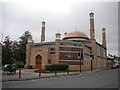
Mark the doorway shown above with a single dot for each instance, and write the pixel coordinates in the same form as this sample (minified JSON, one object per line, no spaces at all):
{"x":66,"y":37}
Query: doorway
{"x":38,"y":62}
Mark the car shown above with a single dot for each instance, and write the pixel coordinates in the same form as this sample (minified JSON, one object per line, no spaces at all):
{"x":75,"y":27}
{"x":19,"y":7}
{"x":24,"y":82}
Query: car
{"x":114,"y":67}
{"x":9,"y":68}
{"x":118,"y":65}
{"x":6,"y":65}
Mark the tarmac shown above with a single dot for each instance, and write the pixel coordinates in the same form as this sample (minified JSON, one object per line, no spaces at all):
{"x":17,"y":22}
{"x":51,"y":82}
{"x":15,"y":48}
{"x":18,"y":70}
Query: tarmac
{"x":29,"y":74}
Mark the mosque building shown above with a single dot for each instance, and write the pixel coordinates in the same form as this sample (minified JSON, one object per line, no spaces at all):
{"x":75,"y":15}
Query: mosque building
{"x":66,"y":50}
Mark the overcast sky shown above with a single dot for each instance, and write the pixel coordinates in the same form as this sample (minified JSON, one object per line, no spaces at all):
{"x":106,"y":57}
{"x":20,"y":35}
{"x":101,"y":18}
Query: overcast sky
{"x":63,"y":15}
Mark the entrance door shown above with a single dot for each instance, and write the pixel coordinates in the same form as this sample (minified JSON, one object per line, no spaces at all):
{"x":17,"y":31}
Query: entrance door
{"x":38,"y":62}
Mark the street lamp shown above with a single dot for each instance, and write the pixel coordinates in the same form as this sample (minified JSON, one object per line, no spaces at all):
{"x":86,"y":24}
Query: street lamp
{"x":80,"y":56}
{"x":91,"y":58}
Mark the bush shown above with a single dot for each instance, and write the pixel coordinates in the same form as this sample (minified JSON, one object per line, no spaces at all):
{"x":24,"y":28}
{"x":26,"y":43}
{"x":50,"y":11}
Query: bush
{"x":42,"y":71}
{"x":58,"y":67}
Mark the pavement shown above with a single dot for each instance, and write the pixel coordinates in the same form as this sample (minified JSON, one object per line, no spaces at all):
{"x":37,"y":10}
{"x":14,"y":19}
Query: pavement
{"x":29,"y":74}
{"x":95,"y":79}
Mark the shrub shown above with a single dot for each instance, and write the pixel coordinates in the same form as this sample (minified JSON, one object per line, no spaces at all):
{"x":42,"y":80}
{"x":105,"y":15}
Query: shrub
{"x":42,"y":71}
{"x":53,"y":67}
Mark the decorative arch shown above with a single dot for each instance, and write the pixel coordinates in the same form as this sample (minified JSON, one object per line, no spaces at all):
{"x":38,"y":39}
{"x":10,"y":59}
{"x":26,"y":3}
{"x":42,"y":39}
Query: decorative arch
{"x":38,"y":57}
{"x":38,"y":62}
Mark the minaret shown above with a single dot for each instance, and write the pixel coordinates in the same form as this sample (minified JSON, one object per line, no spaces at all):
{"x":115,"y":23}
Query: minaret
{"x":93,"y":41}
{"x":103,"y":37}
{"x":58,"y":36}
{"x":43,"y":31}
{"x":92,"y":34}
{"x":57,"y":46}
{"x":28,"y":50}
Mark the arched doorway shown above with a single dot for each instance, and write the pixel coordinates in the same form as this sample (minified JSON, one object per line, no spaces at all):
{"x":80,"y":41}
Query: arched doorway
{"x":38,"y":62}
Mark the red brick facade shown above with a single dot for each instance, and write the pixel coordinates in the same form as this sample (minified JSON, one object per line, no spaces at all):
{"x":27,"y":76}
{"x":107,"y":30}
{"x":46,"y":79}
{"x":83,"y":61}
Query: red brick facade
{"x":69,"y":55}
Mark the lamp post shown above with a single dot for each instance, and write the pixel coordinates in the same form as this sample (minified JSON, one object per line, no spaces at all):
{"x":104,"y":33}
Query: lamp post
{"x":91,"y":58}
{"x":80,"y":56}
{"x":91,"y":66}
{"x":80,"y":65}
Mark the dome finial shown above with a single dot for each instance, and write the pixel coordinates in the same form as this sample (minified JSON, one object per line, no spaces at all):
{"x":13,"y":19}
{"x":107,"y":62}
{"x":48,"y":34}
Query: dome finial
{"x":58,"y":30}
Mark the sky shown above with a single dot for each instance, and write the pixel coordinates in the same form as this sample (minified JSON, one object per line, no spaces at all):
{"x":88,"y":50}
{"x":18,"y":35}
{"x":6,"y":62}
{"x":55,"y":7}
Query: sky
{"x":18,"y":16}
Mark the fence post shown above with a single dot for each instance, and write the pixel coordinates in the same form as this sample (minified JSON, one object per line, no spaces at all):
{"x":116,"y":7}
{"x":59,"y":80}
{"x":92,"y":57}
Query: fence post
{"x":39,"y":72}
{"x":55,"y":72}
{"x":68,"y":71}
{"x":19,"y":73}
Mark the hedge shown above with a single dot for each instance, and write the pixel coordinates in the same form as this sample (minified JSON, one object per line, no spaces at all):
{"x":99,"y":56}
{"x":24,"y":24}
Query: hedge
{"x":53,"y":67}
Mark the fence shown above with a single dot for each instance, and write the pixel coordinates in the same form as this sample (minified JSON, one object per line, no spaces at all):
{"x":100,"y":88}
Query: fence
{"x":24,"y":74}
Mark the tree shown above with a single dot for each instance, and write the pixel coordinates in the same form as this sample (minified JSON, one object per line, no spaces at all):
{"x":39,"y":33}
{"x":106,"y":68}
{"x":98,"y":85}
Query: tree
{"x":22,"y":45}
{"x":7,"y":55}
{"x":13,"y":51}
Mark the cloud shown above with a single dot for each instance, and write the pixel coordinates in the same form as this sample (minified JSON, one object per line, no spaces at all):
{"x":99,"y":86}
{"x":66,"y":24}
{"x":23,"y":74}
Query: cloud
{"x":65,"y":15}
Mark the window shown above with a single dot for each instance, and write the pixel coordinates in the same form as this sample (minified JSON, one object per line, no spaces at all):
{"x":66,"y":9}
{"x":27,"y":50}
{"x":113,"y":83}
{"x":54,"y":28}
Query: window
{"x":52,"y":51}
{"x":98,"y":50}
{"x":86,"y":50}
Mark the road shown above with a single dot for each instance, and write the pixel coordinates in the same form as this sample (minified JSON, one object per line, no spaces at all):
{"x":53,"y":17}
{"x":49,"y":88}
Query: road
{"x":102,"y":79}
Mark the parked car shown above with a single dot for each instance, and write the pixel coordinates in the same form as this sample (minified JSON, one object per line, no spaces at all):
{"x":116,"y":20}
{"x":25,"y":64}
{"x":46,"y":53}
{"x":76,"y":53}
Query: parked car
{"x":118,"y":65}
{"x":114,"y":66}
{"x":9,"y":68}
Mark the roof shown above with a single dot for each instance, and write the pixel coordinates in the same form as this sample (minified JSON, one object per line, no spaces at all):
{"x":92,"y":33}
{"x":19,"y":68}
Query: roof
{"x":62,"y":42}
{"x":101,"y":45}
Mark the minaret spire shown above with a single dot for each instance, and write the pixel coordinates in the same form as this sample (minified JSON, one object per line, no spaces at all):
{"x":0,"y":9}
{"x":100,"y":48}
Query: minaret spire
{"x":43,"y":31}
{"x":92,"y":34}
{"x":58,"y":30}
{"x":57,"y":47}
{"x":103,"y":37}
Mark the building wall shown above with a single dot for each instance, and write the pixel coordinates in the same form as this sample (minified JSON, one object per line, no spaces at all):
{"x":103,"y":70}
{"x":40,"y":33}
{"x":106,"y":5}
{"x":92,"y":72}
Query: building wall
{"x":0,"y":54}
{"x":101,"y":63}
{"x":86,"y":63}
{"x":109,"y":63}
{"x":47,"y":57}
{"x":53,"y":59}
{"x":44,"y":53}
{"x":101,"y":56}
{"x":68,"y":55}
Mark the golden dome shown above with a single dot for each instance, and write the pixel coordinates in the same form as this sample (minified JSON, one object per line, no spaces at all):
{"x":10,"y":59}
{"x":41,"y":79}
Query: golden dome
{"x":76,"y":34}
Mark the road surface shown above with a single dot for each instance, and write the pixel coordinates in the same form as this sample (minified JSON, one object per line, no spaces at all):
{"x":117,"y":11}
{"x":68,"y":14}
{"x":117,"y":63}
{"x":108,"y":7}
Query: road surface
{"x":102,"y":79}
